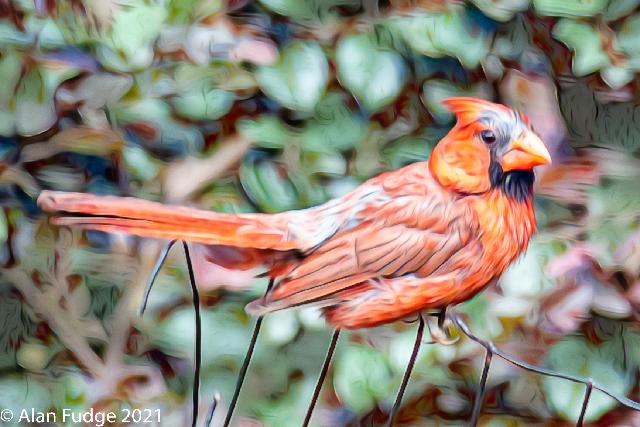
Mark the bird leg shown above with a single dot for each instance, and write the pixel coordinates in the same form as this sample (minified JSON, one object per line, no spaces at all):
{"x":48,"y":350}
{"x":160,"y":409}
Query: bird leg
{"x":407,"y":372}
{"x":321,"y":377}
{"x":440,"y":332}
{"x":245,"y":364}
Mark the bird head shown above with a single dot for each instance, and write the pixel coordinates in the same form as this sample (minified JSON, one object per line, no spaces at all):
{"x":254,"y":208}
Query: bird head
{"x":488,"y":147}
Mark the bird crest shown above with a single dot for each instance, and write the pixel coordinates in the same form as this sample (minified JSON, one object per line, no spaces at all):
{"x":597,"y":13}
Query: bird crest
{"x":469,"y":109}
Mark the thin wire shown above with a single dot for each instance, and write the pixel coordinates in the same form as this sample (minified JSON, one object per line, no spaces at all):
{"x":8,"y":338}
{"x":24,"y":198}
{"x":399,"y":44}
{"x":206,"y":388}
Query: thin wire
{"x":154,"y":275}
{"x":407,"y":372}
{"x":198,"y":323}
{"x":212,"y":410}
{"x":321,"y":377}
{"x":245,"y":365}
{"x":477,"y":404}
{"x":532,"y":368}
{"x":585,"y":402}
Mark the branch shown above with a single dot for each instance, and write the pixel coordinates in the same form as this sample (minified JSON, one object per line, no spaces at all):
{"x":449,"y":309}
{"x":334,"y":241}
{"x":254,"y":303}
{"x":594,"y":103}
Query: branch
{"x":202,"y":171}
{"x":51,"y":314}
{"x":123,"y":312}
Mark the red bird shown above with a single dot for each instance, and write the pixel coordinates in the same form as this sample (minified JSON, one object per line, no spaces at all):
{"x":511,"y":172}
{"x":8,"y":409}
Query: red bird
{"x":426,"y":236}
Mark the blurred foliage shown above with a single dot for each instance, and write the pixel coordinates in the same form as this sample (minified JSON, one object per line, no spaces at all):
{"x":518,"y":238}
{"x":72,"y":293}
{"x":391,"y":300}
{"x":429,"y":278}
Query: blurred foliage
{"x":272,"y":105}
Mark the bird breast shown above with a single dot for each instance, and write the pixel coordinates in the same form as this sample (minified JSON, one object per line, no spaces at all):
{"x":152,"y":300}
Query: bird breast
{"x":506,"y":226}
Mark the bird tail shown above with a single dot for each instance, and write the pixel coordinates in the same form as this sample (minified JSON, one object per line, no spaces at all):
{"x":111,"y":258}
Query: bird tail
{"x":152,"y":219}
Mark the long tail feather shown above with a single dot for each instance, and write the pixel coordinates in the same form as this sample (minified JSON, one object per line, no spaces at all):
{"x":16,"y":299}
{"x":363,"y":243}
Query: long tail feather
{"x":151,"y":219}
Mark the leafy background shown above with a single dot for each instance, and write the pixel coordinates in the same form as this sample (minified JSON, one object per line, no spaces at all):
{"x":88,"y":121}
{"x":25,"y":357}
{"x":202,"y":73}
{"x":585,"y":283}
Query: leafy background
{"x":281,"y":104}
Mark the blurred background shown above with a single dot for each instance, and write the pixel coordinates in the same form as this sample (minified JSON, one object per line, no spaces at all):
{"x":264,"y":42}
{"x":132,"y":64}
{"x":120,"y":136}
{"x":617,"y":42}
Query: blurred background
{"x":265,"y":106}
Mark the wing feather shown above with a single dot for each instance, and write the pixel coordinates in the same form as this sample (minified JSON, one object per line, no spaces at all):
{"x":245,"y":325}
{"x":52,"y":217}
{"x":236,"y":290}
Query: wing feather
{"x":415,"y":235}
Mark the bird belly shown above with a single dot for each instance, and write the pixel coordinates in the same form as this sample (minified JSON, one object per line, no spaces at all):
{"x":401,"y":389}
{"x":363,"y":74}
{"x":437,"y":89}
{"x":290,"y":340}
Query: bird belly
{"x":380,"y":301}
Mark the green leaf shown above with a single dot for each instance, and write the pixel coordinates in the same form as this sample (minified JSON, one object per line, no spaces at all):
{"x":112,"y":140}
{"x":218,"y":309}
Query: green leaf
{"x":224,"y":196}
{"x":297,"y":9}
{"x":128,"y":45}
{"x":334,"y":126}
{"x":11,"y":36}
{"x":266,"y":131}
{"x":324,"y":163}
{"x":187,"y":11}
{"x":307,"y":10}
{"x":436,"y":90}
{"x":7,"y":123}
{"x":18,"y":326}
{"x":18,"y":392}
{"x":612,"y":211}
{"x":175,"y":334}
{"x":410,"y":149}
{"x":35,"y":110}
{"x":143,"y":109}
{"x":34,"y":104}
{"x":628,"y":40}
{"x":617,"y":9}
{"x":4,"y":228}
{"x":264,"y":183}
{"x":48,"y":33}
{"x":10,"y":69}
{"x":513,"y":41}
{"x":602,"y":363}
{"x":502,"y":10}
{"x":231,"y":77}
{"x":375,"y":75}
{"x":198,"y":97}
{"x":585,"y":42}
{"x":525,"y":277}
{"x":362,"y":376}
{"x":299,"y":78}
{"x":276,"y":188}
{"x":569,"y":8}
{"x":157,"y":114}
{"x":139,"y":163}
{"x":616,"y":77}
{"x":444,"y":34}
{"x":206,"y":103}
{"x":280,"y":327}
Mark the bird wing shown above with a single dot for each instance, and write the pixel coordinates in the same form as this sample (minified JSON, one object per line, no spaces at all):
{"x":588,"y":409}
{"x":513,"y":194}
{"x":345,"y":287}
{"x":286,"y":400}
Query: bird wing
{"x":397,"y":235}
{"x":299,"y":230}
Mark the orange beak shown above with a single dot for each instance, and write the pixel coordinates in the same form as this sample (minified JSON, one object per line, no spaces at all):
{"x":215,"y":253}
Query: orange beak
{"x":525,"y":153}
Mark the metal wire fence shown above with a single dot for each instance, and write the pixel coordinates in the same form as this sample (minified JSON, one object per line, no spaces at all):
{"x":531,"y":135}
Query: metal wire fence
{"x":491,"y":351}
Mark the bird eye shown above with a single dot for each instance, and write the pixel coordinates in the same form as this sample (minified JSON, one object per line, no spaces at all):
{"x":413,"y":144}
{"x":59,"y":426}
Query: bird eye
{"x":488,"y":137}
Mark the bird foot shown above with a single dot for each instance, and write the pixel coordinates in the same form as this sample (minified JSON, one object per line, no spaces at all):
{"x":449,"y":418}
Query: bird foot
{"x":440,"y":330}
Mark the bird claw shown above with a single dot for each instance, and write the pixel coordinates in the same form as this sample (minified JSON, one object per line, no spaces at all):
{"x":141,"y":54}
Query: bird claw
{"x":440,"y":332}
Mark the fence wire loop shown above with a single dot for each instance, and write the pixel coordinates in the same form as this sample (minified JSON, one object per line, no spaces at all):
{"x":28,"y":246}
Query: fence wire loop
{"x":479,"y":399}
{"x":212,"y":409}
{"x":407,"y":372}
{"x":154,"y":275}
{"x":491,"y":348}
{"x":245,"y":364}
{"x":321,"y":377}
{"x":585,"y":402}
{"x":195,"y":400}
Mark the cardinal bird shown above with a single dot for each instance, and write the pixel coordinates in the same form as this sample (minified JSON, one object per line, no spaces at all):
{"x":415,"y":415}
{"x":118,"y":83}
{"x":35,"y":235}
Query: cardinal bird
{"x":426,"y":236}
